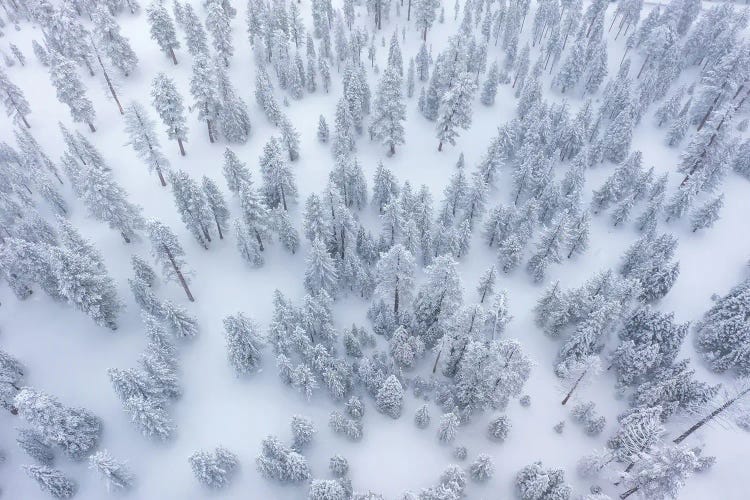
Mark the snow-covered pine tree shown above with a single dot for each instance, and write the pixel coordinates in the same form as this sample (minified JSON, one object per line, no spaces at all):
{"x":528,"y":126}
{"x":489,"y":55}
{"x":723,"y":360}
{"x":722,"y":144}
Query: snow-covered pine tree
{"x":424,"y":15}
{"x":116,"y":474}
{"x":16,"y":105}
{"x":390,"y":111}
{"x":217,"y":204}
{"x":232,"y":116}
{"x":52,"y":481}
{"x":84,"y":282}
{"x":705,"y":216}
{"x":455,"y":109}
{"x":254,"y":214}
{"x":214,"y":470}
{"x":115,"y":46}
{"x":723,"y":331}
{"x":162,"y":29}
{"x":75,"y":430}
{"x":320,"y":273}
{"x":195,"y":35}
{"x":218,"y":24}
{"x":167,"y":101}
{"x":235,"y":172}
{"x":390,"y":397}
{"x":278,"y":180}
{"x":168,"y":252}
{"x":204,"y":88}
{"x":143,"y":138}
{"x":70,"y":90}
{"x":35,"y":445}
{"x":192,"y":206}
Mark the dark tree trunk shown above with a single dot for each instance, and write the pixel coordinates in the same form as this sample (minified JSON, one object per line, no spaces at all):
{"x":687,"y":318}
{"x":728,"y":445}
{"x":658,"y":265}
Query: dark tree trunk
{"x":91,"y":127}
{"x":179,"y":274}
{"x":174,"y":57}
{"x":182,"y":148}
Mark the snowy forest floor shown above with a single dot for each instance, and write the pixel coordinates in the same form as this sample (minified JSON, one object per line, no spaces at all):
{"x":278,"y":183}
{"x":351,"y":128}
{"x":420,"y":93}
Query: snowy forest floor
{"x":67,"y":355}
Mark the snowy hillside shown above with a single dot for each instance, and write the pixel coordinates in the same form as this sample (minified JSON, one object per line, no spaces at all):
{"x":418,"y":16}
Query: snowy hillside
{"x":363,"y":249}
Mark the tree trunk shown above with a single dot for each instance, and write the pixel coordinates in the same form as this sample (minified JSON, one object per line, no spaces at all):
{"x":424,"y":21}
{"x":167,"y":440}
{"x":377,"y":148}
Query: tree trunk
{"x":700,"y":423}
{"x":125,"y":237}
{"x":210,"y":132}
{"x":408,"y":12}
{"x":614,"y":18}
{"x":629,"y":492}
{"x":23,"y":119}
{"x":174,"y":57}
{"x":182,"y":148}
{"x":218,"y":227}
{"x":434,"y":367}
{"x":570,"y":393}
{"x":179,"y":274}
{"x":283,"y":199}
{"x":91,"y":127}
{"x":643,"y":66}
{"x":440,"y":146}
{"x":161,"y":177}
{"x":260,"y":242}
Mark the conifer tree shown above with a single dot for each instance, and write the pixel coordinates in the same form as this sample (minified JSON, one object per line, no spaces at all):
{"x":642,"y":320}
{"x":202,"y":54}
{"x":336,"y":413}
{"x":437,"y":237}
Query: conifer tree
{"x":142,"y":136}
{"x":52,"y":481}
{"x":410,"y":82}
{"x":216,"y":204}
{"x":424,"y":15}
{"x":235,"y":172}
{"x":71,"y":91}
{"x":390,"y":111}
{"x":162,"y":29}
{"x":75,"y":430}
{"x":35,"y":445}
{"x":395,"y":60}
{"x":116,"y":474}
{"x":214,"y":470}
{"x":390,"y":397}
{"x":321,"y":270}
{"x":455,"y":109}
{"x":244,"y":343}
{"x":168,"y":252}
{"x":218,"y":24}
{"x":278,"y":180}
{"x":343,"y":138}
{"x":168,"y":104}
{"x":115,"y":46}
{"x":322,"y":130}
{"x":192,"y":206}
{"x":704,"y":217}
{"x":195,"y":35}
{"x":84,"y":282}
{"x":203,"y":86}
{"x":489,"y":89}
{"x":232,"y":115}
{"x":16,"y":105}
{"x":254,"y":214}
{"x":394,"y":277}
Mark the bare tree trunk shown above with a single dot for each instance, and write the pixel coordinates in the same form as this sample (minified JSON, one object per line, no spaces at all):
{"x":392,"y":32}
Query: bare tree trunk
{"x":570,"y":393}
{"x":179,"y":274}
{"x":161,"y":177}
{"x":182,"y":148}
{"x":210,"y":132}
{"x":218,"y":227}
{"x":91,"y":127}
{"x":700,"y":423}
{"x":174,"y":57}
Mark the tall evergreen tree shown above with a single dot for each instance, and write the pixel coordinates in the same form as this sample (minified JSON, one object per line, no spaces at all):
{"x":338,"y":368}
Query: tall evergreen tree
{"x":192,"y":206}
{"x":218,"y":24}
{"x":142,"y":136}
{"x":16,"y":105}
{"x":455,"y":109}
{"x":390,"y":111}
{"x":203,"y":86}
{"x":162,"y":29}
{"x":115,"y":46}
{"x":168,"y":252}
{"x":167,"y":101}
{"x":71,"y":91}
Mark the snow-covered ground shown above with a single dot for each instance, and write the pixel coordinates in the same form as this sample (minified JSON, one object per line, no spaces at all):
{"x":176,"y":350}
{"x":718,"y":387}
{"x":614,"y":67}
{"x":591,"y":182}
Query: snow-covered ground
{"x":67,"y":355}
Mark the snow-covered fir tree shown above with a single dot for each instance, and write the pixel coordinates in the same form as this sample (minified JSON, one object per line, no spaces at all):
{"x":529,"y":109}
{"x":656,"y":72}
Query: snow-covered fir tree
{"x":168,"y":103}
